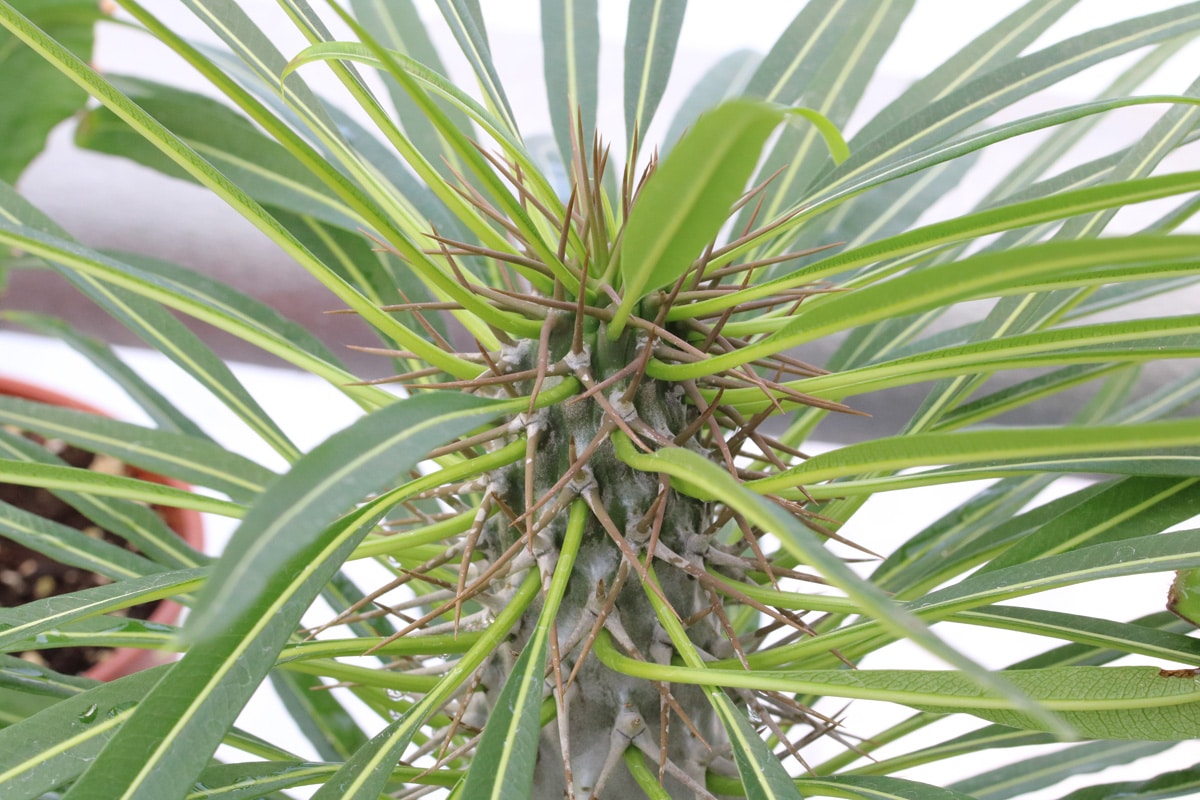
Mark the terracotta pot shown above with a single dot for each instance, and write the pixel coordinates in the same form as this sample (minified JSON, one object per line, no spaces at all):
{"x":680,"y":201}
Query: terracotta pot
{"x":185,"y":522}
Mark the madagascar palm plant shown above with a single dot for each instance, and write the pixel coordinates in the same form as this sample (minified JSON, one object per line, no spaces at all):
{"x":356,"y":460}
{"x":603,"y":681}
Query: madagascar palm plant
{"x":616,"y":568}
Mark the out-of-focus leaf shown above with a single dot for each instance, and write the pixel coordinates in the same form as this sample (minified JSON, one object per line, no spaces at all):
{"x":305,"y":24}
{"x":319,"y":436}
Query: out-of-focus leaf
{"x":571,"y":57}
{"x":34,"y":96}
{"x":651,"y":35}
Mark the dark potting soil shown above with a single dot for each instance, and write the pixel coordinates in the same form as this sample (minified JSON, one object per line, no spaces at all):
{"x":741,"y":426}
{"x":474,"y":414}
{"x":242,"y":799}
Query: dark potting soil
{"x":26,"y":575}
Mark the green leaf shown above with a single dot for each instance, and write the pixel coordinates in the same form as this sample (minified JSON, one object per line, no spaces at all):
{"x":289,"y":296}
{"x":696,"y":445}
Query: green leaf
{"x":867,"y":787}
{"x":1033,"y":774}
{"x":69,"y":546}
{"x":196,"y":461}
{"x":1157,"y":553}
{"x":464,"y":19}
{"x":701,"y":478}
{"x":828,"y":69}
{"x":1178,"y":783}
{"x":651,"y":36}
{"x":34,"y":97}
{"x":211,"y":178}
{"x":137,"y":524}
{"x":571,"y":62}
{"x":164,"y":413}
{"x":993,"y":49}
{"x":226,"y":139}
{"x":365,"y":774}
{"x":53,"y":477}
{"x":288,"y":520}
{"x":1124,"y":510}
{"x":1014,"y":80}
{"x":45,"y":751}
{"x":982,"y":223}
{"x":1118,"y":636}
{"x":1098,"y":702}
{"x":1008,"y":446}
{"x":293,"y":540}
{"x":397,"y":25}
{"x":26,"y":621}
{"x":508,"y":749}
{"x":686,"y":201}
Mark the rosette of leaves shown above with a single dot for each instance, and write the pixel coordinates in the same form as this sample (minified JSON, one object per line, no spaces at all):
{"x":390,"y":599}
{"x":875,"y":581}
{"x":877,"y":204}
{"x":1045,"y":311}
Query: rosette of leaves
{"x":616,"y":570}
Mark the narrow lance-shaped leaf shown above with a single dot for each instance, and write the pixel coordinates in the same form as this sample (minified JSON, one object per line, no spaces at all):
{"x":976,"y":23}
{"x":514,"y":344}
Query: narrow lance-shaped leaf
{"x":194,"y":460}
{"x":164,"y":413}
{"x":651,"y":36}
{"x":134,"y":522}
{"x":85,"y":722}
{"x":687,"y":200}
{"x":699,"y":477}
{"x":204,"y":172}
{"x":1181,"y":436}
{"x":1010,"y":82}
{"x":571,"y":59}
{"x":465,"y":22}
{"x":365,"y":774}
{"x":763,"y":777}
{"x":34,"y":97}
{"x":1176,"y":783}
{"x":32,"y":618}
{"x":245,"y":618}
{"x":397,"y":25}
{"x":507,"y":753}
{"x":834,"y":91}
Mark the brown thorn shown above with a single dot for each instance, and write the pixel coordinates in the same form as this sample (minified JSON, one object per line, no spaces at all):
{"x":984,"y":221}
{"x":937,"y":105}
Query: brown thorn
{"x":468,"y":549}
{"x":397,"y":307}
{"x":565,"y":235}
{"x":407,"y":376}
{"x":610,"y":601}
{"x":475,"y":588}
{"x":648,"y":349}
{"x":761,"y":558}
{"x":468,"y":249}
{"x":386,"y":351}
{"x":718,"y":436}
{"x":699,"y":422}
{"x":577,"y":334}
{"x":470,"y":441}
{"x":592,"y":497}
{"x":611,"y":413}
{"x":564,"y":718}
{"x":716,"y":608}
{"x":543,"y":361}
{"x":515,"y":178}
{"x":424,"y":323}
{"x":763,"y":262}
{"x":623,"y":372}
{"x":497,"y":371}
